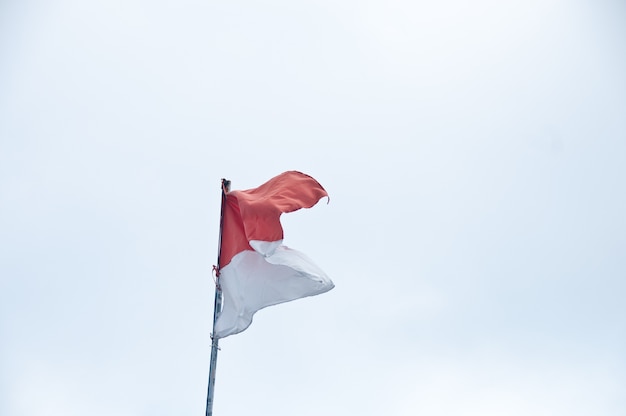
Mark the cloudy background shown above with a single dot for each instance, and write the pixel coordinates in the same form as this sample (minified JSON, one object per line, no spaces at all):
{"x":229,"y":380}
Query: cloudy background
{"x":474,"y":153}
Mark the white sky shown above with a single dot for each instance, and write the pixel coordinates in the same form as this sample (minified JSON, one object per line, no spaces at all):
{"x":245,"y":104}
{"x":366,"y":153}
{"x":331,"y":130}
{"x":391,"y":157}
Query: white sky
{"x":474,"y":152}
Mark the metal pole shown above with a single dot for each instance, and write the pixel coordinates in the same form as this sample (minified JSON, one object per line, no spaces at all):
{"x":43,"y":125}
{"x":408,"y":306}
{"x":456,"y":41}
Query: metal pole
{"x":214,"y":349}
{"x":217,"y":308}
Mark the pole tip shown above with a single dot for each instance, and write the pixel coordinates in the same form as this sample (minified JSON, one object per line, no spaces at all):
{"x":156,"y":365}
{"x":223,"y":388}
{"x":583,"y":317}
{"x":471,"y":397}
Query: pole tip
{"x":226,"y":185}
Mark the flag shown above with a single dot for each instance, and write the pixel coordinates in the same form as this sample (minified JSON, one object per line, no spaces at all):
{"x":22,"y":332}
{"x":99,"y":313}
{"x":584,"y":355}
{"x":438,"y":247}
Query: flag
{"x":255,"y":269}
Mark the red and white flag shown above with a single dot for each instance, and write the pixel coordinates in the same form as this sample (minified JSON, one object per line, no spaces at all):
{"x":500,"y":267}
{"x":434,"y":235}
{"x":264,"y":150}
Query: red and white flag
{"x":255,"y":269}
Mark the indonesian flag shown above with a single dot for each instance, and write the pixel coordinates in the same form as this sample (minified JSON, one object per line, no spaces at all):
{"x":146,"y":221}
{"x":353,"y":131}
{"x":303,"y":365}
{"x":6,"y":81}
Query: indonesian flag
{"x":255,"y":269}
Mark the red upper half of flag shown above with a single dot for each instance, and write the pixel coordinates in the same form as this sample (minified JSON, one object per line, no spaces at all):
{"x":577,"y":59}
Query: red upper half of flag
{"x":254,"y":214}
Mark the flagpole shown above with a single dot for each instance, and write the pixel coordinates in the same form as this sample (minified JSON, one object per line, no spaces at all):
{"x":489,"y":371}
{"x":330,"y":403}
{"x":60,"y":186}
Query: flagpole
{"x":217,"y":308}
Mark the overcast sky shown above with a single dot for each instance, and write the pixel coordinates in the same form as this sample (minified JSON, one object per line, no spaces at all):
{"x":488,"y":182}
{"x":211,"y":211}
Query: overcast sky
{"x":475,"y":157}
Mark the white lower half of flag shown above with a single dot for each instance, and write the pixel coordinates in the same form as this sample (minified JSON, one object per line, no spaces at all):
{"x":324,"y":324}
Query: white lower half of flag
{"x":252,"y":281}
